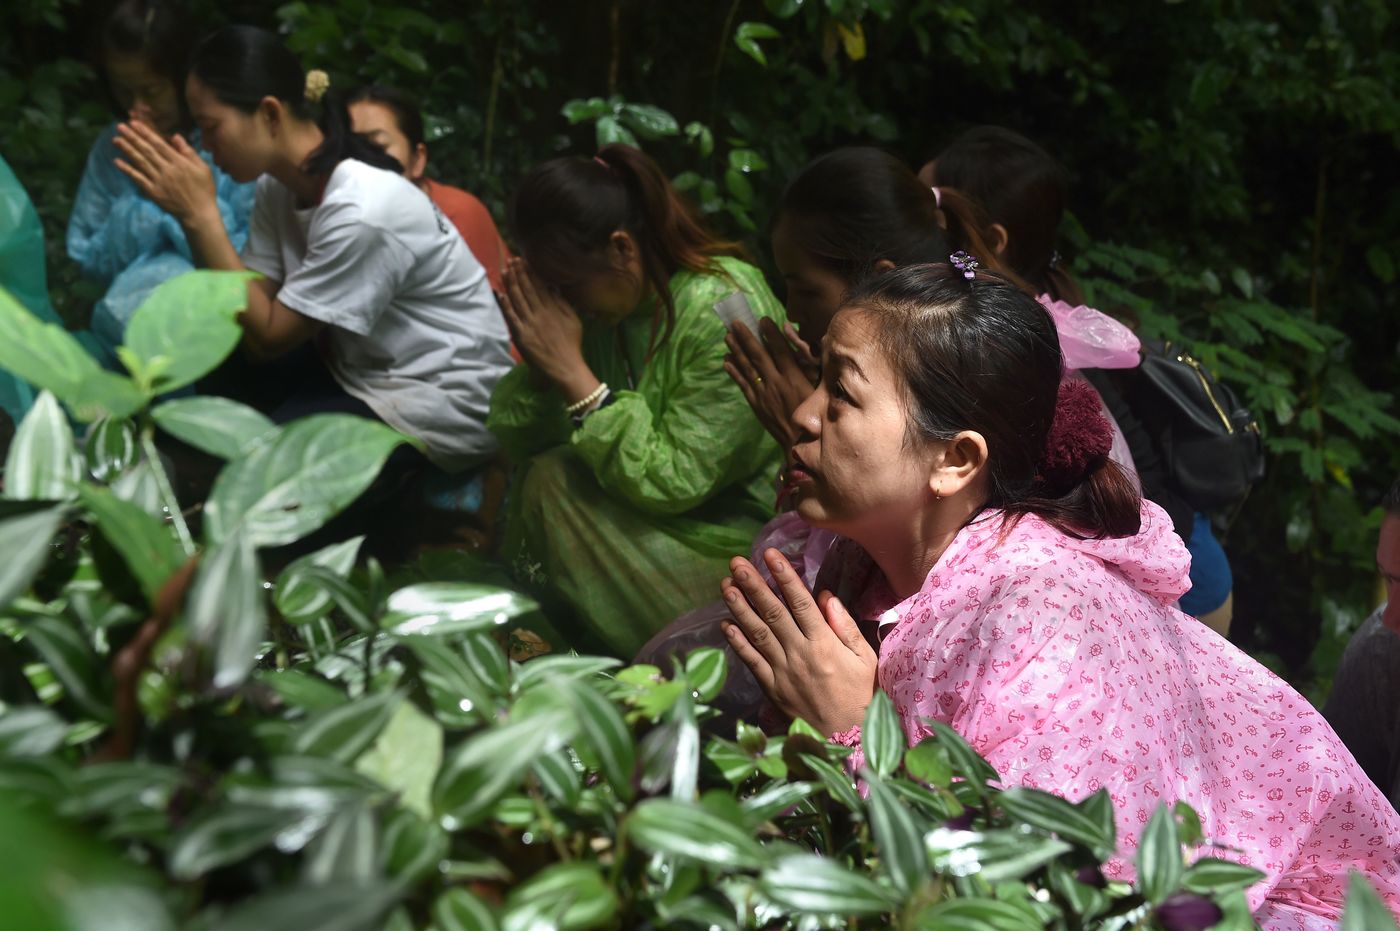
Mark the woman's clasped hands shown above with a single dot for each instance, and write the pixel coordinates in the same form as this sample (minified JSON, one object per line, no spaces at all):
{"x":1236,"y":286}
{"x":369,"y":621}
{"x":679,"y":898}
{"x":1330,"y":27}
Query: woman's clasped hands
{"x":168,"y":171}
{"x":807,"y":653}
{"x":546,"y":330}
{"x":775,"y":373}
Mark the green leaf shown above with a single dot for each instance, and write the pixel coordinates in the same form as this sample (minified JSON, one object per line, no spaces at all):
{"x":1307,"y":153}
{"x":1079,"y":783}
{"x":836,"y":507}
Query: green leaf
{"x":101,"y":790}
{"x":487,"y":661}
{"x":287,"y":488}
{"x":739,"y":187}
{"x":26,"y":539}
{"x":459,"y":910}
{"x":346,"y":849}
{"x":746,"y":37}
{"x":218,"y":426}
{"x":30,"y":731}
{"x":649,"y":122}
{"x":72,"y":660}
{"x":110,"y":448}
{"x":489,"y":764}
{"x":1053,"y":814}
{"x":301,"y":689}
{"x":144,"y":543}
{"x":746,"y":160}
{"x":972,"y":915}
{"x":459,"y":695}
{"x":609,"y":129}
{"x":1159,"y":863}
{"x":834,"y":778}
{"x":564,"y":666}
{"x":1099,"y":807}
{"x":700,"y":136}
{"x":43,"y":463}
{"x":188,"y":326}
{"x":1364,"y":909}
{"x":581,"y":111}
{"x":777,"y":798}
{"x":140,"y":486}
{"x":686,"y":830}
{"x":927,"y":761}
{"x":558,"y":776}
{"x":338,"y":907}
{"x":227,"y":610}
{"x":1382,"y":265}
{"x":228,"y":834}
{"x":405,"y":758}
{"x":685,"y":768}
{"x":995,"y":856}
{"x":297,"y":596}
{"x":343,"y":733}
{"x":1209,"y":875}
{"x":43,"y":354}
{"x":1243,"y":281}
{"x":967,"y":762}
{"x":606,"y":734}
{"x":413,"y":848}
{"x":881,"y":736}
{"x":733,"y":762}
{"x":1189,"y":822}
{"x":898,"y":837}
{"x":447,"y":608}
{"x":705,"y":672}
{"x":576,"y":892}
{"x":816,"y":885}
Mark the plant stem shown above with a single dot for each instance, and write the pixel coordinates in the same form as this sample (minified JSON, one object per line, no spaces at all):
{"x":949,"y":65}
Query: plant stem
{"x":719,"y":56}
{"x":615,"y":25}
{"x":489,"y":135}
{"x":167,"y":492}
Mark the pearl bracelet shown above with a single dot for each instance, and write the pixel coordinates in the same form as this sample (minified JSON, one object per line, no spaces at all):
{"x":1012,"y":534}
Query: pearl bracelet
{"x":584,"y":404}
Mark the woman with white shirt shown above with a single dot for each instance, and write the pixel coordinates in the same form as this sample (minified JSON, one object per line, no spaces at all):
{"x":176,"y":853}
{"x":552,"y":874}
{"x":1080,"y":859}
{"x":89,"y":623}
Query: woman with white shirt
{"x":356,"y":262}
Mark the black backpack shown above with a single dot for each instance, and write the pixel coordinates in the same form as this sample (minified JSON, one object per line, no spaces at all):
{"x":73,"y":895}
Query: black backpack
{"x":1208,"y":440}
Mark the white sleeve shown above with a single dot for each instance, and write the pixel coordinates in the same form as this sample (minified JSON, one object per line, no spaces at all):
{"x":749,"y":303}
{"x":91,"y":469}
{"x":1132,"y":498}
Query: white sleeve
{"x":262,"y":252}
{"x":351,"y":273}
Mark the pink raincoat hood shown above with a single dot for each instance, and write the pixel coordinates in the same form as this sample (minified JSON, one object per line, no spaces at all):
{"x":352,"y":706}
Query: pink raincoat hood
{"x":1154,"y":560}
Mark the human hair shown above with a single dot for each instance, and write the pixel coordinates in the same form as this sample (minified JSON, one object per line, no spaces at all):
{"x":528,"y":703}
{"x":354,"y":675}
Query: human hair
{"x":854,"y":207}
{"x":407,"y":114}
{"x":566,"y":209}
{"x":1020,"y":186}
{"x":242,"y":65}
{"x":982,"y":355}
{"x":1390,"y":504}
{"x":157,"y":31}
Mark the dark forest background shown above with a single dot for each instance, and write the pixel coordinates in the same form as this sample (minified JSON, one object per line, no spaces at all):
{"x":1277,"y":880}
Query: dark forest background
{"x":1233,"y":171}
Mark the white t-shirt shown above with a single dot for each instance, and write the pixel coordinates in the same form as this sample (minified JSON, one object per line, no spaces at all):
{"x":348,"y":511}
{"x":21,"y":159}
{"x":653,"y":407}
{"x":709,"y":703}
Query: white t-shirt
{"x":415,"y":330}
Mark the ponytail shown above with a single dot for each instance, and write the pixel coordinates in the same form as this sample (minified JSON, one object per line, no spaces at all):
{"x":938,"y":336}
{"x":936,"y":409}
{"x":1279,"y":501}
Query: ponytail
{"x":341,"y":141}
{"x":242,"y":65}
{"x":566,"y":209}
{"x":855,"y":207}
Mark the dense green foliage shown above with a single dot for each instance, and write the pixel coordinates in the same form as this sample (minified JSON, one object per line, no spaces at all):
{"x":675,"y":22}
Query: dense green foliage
{"x":1229,"y":163}
{"x":340,"y":751}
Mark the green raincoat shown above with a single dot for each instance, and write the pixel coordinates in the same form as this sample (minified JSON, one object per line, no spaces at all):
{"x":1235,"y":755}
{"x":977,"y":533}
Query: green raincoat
{"x":630,"y":520}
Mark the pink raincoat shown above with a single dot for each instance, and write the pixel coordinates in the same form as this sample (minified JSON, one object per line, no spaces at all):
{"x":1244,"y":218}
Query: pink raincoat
{"x":1063,"y":662}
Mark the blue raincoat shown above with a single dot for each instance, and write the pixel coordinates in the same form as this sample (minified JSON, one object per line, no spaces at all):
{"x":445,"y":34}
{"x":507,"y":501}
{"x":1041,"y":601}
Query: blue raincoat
{"x":123,"y":240}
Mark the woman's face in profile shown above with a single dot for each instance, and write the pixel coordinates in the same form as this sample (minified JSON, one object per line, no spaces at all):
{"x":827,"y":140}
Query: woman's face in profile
{"x":855,"y":471}
{"x":145,"y":94}
{"x":814,"y":292}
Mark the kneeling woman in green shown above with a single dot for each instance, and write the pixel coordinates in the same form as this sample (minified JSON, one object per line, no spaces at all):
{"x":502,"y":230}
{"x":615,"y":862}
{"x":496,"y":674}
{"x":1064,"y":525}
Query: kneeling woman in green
{"x":639,"y":464}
